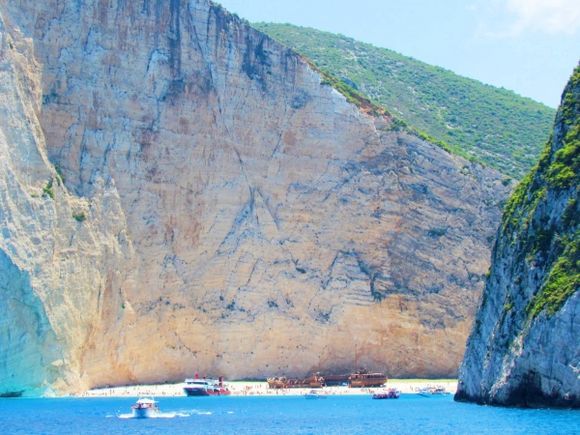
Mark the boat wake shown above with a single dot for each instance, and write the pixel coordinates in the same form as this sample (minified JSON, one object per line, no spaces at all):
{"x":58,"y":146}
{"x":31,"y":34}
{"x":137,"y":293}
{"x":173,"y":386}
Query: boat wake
{"x":198,"y":412}
{"x":187,"y":413}
{"x":157,"y":415}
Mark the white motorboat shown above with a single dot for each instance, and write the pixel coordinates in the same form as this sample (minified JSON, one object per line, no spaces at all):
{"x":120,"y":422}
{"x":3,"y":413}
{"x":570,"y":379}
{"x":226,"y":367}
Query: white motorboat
{"x":145,"y":408}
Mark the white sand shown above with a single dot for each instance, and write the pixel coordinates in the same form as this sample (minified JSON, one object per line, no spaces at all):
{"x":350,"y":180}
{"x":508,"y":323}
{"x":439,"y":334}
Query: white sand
{"x":261,"y":389}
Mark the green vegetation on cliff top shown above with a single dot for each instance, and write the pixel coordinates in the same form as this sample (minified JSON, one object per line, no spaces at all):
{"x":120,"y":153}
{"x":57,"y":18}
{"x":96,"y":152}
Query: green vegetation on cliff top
{"x":487,"y":124}
{"x":556,"y":177}
{"x":558,"y":171}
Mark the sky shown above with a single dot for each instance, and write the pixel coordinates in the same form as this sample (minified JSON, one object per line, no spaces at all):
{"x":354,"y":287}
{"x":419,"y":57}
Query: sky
{"x":528,"y":46}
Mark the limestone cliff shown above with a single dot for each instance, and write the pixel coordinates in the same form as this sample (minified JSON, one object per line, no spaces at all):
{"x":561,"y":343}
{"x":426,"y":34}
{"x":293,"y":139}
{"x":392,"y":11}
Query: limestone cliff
{"x":54,"y":269}
{"x":524,"y":347}
{"x":241,"y":217}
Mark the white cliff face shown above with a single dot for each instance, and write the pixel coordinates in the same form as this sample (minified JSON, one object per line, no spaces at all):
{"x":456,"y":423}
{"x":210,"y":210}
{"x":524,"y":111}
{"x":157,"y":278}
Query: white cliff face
{"x":54,"y":270}
{"x":242,"y":217}
{"x":523,"y":350}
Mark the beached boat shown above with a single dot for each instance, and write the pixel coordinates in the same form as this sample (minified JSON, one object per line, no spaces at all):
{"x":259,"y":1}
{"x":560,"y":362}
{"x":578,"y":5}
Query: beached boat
{"x":363,"y":379}
{"x":360,"y":378}
{"x":277,"y":382}
{"x":314,"y":381}
{"x":206,"y":387}
{"x":391,"y":393}
{"x":145,"y":408}
{"x":336,"y":380}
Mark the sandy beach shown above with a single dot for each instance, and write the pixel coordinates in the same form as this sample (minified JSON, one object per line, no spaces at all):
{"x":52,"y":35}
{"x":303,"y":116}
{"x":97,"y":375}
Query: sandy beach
{"x":239,"y":388}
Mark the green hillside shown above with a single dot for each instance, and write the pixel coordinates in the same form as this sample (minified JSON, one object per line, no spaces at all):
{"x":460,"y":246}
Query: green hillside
{"x":491,"y":125}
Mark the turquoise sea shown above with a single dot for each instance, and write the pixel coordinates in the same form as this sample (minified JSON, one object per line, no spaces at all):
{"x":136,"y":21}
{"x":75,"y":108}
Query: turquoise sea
{"x":280,"y":415}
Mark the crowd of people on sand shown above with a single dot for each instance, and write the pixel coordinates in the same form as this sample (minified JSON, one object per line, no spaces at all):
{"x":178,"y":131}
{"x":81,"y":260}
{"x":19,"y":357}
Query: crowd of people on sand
{"x":262,"y":389}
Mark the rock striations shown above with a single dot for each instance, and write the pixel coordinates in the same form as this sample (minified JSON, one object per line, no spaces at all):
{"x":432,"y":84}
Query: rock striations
{"x":53,"y":267}
{"x":524,"y":348}
{"x":181,"y":193}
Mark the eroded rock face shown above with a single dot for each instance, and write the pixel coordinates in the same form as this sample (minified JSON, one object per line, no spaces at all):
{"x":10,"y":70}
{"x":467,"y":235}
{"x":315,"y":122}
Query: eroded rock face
{"x":55,"y":272}
{"x":264,"y":224}
{"x":523,"y":350}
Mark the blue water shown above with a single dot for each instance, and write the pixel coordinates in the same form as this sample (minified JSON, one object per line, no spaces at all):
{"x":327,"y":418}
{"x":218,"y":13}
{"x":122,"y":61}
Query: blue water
{"x":280,"y":415}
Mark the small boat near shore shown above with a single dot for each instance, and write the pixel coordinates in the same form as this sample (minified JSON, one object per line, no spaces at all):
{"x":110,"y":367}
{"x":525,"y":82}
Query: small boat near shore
{"x":145,"y":408}
{"x":313,"y":394}
{"x":433,"y":391}
{"x":11,"y":394}
{"x":391,"y":393}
